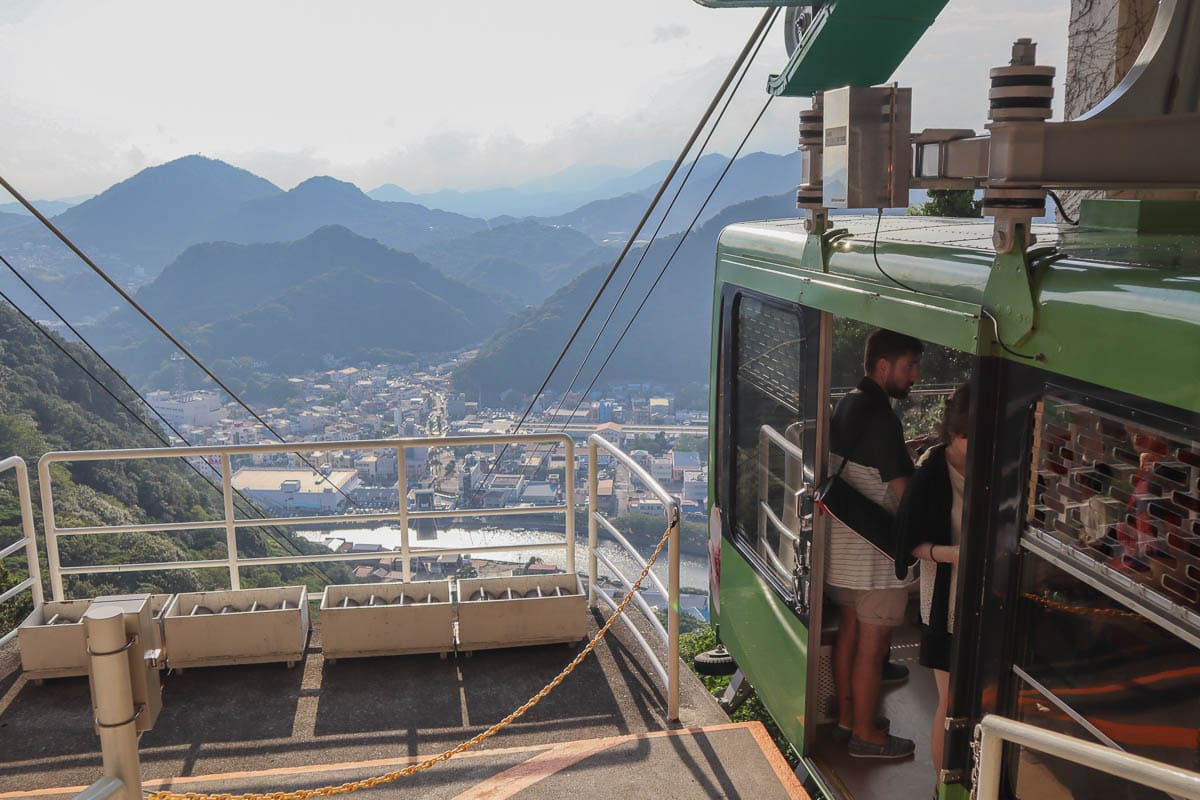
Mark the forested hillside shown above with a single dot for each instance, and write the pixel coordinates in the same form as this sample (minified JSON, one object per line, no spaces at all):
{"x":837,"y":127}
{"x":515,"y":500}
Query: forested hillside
{"x":47,"y":403}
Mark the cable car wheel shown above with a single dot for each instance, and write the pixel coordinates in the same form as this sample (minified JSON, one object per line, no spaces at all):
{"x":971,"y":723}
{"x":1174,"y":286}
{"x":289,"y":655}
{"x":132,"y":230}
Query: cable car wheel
{"x":796,"y":22}
{"x":715,"y":662}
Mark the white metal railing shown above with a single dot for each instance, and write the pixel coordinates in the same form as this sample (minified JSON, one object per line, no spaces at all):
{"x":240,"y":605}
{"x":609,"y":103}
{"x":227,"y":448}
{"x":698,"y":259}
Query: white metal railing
{"x":995,"y":731}
{"x":596,"y":520}
{"x":28,"y":541}
{"x":231,"y":523}
{"x":667,"y":669}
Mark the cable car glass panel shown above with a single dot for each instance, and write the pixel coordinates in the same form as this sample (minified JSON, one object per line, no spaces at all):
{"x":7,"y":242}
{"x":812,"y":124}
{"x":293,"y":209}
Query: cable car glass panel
{"x":774,"y":346}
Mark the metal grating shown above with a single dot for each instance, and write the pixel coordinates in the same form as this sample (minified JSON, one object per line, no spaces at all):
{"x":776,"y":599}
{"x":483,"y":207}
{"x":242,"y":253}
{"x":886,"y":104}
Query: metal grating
{"x":1125,"y":496}
{"x":770,"y":351}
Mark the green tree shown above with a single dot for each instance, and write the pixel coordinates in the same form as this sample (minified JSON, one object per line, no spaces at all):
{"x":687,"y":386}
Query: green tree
{"x":949,"y":203}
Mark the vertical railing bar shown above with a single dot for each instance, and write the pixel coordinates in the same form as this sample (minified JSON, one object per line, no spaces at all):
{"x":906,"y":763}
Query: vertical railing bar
{"x":402,"y":488}
{"x":235,"y":576}
{"x":52,"y":558}
{"x":592,"y":511}
{"x":569,"y":480}
{"x":673,"y":615}
{"x":30,"y":532}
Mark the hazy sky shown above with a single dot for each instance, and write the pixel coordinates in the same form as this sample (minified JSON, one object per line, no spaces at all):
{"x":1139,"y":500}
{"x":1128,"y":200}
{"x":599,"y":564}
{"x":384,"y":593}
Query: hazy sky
{"x":426,"y":95}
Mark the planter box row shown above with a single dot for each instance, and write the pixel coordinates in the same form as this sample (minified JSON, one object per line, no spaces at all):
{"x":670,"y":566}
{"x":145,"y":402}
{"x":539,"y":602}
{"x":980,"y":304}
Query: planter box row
{"x":397,"y":618}
{"x":251,"y":626}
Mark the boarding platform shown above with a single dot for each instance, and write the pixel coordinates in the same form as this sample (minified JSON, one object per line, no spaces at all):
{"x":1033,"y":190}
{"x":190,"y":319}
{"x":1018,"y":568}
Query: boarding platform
{"x":264,"y":727}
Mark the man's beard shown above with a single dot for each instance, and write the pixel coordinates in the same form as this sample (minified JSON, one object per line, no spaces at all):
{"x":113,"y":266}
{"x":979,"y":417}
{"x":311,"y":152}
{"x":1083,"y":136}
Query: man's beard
{"x":897,"y":391}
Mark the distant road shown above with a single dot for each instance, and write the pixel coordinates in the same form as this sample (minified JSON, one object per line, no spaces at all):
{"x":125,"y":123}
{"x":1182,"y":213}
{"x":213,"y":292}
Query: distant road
{"x":670,"y":430}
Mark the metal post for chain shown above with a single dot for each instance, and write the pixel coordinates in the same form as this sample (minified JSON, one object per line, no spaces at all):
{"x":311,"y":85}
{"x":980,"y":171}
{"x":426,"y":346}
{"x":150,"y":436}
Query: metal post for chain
{"x":673,"y":530}
{"x":112,"y":697}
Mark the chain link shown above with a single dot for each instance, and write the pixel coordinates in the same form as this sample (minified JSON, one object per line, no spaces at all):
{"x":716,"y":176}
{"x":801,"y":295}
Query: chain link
{"x":370,"y":783}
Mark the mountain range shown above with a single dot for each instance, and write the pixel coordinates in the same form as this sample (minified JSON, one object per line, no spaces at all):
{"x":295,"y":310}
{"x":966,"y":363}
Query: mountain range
{"x":241,"y":269}
{"x":332,"y":294}
{"x":667,"y":343}
{"x":549,"y":196}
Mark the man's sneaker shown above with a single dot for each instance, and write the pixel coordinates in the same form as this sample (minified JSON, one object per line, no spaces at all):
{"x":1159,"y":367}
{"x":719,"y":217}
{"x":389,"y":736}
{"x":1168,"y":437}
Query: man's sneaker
{"x":842,"y":735}
{"x":893,"y":747}
{"x":894,"y":673}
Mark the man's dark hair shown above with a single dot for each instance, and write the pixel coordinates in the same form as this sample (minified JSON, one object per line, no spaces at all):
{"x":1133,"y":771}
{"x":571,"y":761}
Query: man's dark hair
{"x":882,"y":343}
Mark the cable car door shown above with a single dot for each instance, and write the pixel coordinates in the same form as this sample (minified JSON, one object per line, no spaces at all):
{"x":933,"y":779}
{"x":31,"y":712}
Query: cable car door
{"x":767,"y":450}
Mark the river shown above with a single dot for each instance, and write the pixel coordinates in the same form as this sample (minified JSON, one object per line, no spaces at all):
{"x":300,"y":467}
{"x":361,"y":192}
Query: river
{"x":693,"y":570}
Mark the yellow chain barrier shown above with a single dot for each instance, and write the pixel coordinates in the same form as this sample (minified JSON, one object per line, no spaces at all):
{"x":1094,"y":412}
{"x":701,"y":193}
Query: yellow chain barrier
{"x":370,"y":783}
{"x":1083,"y":611}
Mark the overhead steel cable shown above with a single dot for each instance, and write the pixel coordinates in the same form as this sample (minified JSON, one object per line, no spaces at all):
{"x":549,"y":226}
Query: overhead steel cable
{"x":128,"y":298}
{"x":278,"y":537}
{"x":89,"y":346}
{"x":755,"y":34}
{"x":654,"y":236}
{"x":671,"y":258}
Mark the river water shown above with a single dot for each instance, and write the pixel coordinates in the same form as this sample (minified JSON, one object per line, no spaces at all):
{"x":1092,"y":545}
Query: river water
{"x":693,"y":570}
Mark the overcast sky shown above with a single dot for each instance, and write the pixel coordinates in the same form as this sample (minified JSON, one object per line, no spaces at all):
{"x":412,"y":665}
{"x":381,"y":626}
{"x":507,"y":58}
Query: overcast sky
{"x":427,"y":95}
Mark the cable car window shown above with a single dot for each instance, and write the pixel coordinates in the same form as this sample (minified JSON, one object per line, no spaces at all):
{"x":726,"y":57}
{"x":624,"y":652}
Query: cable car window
{"x":767,"y":367}
{"x":1109,"y":610}
{"x":1094,"y":669}
{"x":1121,"y":501}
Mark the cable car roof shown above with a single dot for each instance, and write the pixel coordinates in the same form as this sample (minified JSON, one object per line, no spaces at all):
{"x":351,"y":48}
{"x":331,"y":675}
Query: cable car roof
{"x":1119,"y":308}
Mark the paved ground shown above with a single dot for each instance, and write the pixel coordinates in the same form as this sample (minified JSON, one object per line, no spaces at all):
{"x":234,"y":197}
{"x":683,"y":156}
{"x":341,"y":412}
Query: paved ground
{"x":319,"y":723}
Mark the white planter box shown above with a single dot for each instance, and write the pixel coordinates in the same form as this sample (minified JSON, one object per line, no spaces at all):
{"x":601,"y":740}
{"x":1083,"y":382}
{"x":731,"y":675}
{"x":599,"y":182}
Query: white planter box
{"x":259,"y":625}
{"x":56,"y":650}
{"x":364,"y":619}
{"x":518,"y":616}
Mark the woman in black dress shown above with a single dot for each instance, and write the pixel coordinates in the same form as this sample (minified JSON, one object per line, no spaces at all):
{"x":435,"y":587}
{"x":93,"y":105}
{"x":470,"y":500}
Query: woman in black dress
{"x":929,"y":528}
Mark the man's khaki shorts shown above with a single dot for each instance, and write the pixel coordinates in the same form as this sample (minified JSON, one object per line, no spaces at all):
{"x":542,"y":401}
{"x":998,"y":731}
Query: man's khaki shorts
{"x":874,"y":606}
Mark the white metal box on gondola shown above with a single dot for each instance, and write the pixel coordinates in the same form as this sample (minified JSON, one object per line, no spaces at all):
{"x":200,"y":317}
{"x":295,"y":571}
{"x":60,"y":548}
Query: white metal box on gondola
{"x":386,"y":619}
{"x":520,"y":610}
{"x":246,"y":626}
{"x":52,"y":641}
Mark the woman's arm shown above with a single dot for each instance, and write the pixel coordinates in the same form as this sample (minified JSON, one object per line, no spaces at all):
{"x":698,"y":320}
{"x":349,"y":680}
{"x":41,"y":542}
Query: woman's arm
{"x":937,"y":553}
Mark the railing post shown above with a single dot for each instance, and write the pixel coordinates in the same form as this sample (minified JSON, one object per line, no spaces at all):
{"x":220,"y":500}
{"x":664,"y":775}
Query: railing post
{"x":402,"y":488}
{"x":569,"y":480}
{"x":673,"y":614}
{"x":52,"y":560}
{"x":991,"y":747}
{"x":30,"y":533}
{"x":112,"y":696}
{"x":593,"y":534}
{"x":235,"y":575}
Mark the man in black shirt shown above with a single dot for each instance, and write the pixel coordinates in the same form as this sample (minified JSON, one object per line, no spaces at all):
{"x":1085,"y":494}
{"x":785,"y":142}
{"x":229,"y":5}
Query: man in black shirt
{"x":867,"y":435}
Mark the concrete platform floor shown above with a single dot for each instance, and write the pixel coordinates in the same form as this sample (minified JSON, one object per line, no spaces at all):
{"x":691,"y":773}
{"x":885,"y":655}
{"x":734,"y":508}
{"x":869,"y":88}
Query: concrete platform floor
{"x":265,"y":727}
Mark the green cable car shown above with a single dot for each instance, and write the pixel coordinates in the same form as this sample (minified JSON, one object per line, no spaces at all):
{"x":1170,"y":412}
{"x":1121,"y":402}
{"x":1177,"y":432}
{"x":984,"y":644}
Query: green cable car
{"x":1078,"y":586}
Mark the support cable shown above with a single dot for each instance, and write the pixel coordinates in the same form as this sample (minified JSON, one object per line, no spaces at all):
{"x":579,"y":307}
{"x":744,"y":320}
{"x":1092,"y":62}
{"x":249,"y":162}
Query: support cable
{"x":671,"y":258}
{"x":662,"y":221}
{"x":875,"y":255}
{"x":1061,"y":210}
{"x":733,"y":70}
{"x":278,"y":537}
{"x":654,"y":236}
{"x":128,"y":298}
